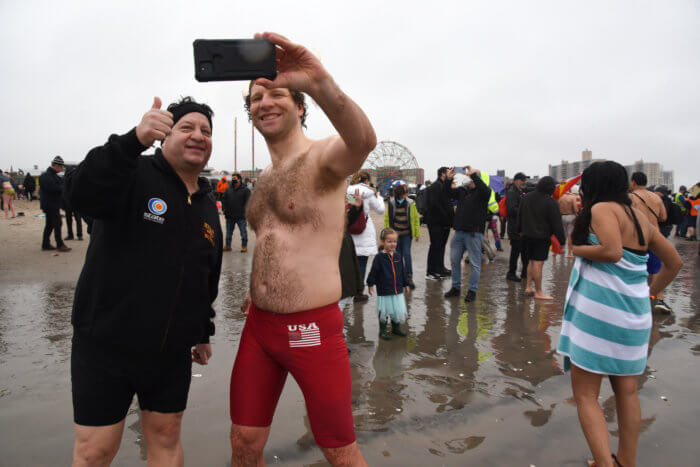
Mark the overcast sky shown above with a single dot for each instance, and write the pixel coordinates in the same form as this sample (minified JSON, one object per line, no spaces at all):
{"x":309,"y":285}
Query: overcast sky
{"x":495,"y":84}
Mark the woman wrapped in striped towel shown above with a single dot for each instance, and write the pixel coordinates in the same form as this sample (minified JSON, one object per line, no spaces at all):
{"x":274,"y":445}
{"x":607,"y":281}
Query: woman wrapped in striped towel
{"x":607,"y":315}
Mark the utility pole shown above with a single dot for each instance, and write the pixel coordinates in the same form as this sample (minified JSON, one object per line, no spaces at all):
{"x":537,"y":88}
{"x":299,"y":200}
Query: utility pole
{"x":235,"y":144}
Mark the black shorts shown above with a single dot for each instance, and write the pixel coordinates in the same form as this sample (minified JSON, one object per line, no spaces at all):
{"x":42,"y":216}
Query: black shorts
{"x":536,"y":249}
{"x":105,"y":381}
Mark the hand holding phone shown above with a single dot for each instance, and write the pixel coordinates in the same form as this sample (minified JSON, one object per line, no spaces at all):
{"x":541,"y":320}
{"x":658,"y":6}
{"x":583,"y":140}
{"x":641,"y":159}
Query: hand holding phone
{"x":297,"y":67}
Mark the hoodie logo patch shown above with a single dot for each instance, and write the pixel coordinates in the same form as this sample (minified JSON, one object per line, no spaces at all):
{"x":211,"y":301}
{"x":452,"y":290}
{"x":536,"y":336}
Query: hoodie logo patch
{"x":157,"y":206}
{"x":208,"y":233}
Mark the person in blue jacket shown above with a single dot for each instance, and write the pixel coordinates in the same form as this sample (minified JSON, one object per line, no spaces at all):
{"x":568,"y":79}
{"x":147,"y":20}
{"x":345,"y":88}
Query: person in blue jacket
{"x":389,"y":276}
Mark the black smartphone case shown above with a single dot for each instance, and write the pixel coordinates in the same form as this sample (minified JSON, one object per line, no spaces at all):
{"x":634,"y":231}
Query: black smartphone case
{"x":234,"y":59}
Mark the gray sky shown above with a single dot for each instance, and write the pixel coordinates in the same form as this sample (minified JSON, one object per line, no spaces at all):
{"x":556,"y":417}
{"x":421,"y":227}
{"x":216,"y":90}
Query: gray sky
{"x":495,"y":84}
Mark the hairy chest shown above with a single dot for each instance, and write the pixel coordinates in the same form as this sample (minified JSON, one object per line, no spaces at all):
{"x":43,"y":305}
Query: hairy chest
{"x":285,"y":196}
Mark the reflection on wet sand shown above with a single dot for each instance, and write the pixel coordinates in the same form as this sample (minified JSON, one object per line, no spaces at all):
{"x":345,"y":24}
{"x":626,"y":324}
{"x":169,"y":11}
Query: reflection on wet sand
{"x":469,"y":381}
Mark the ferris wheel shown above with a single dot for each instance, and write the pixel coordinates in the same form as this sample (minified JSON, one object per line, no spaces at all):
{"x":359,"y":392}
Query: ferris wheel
{"x":390,"y":161}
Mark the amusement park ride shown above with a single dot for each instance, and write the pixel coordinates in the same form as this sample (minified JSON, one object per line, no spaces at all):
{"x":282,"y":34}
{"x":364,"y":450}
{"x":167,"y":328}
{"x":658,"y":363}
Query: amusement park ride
{"x":391,"y":161}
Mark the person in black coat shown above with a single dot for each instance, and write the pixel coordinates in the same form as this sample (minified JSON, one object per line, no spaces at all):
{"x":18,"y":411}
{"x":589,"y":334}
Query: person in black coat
{"x":143,"y":310}
{"x":29,"y":186}
{"x":234,"y":202}
{"x":539,"y":218}
{"x":438,"y":217}
{"x":51,"y":202}
{"x":514,"y":196}
{"x":350,"y":278}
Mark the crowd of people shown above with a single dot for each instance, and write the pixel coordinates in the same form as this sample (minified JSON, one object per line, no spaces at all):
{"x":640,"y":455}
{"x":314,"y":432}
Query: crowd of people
{"x":154,"y":225}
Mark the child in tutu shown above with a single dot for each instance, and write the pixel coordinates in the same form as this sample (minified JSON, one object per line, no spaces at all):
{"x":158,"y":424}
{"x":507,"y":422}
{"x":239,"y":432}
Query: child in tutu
{"x":389,"y":275}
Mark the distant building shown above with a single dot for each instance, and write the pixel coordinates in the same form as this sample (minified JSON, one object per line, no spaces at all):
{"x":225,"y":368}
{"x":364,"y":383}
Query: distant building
{"x":656,"y":175}
{"x":654,"y":171}
{"x":568,"y":169}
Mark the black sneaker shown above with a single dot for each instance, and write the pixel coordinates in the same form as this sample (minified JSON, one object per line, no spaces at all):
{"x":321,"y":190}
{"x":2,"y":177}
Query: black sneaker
{"x":662,"y":306}
{"x":360,"y":298}
{"x":512,"y":277}
{"x":453,"y":292}
{"x":69,"y":237}
{"x":432,"y":277}
{"x":470,"y":297}
{"x":446,"y":273}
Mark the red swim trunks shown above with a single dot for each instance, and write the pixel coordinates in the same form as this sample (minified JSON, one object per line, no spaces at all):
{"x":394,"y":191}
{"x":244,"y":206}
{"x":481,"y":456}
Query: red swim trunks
{"x":310,"y":346}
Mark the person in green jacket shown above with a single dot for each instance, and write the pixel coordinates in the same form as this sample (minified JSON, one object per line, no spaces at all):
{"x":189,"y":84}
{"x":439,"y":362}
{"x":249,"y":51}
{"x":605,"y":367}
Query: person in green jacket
{"x":403,"y":217}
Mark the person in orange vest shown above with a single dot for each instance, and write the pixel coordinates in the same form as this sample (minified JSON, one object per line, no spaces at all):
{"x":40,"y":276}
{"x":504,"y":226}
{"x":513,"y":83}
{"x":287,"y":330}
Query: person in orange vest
{"x":221,"y":187}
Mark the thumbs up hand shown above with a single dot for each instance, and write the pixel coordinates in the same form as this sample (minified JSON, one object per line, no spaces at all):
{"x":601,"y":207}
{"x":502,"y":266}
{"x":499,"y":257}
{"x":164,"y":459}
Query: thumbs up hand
{"x":156,"y":124}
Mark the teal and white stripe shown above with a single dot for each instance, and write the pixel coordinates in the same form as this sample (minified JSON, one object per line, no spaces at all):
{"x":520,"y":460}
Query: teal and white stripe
{"x":607,"y":315}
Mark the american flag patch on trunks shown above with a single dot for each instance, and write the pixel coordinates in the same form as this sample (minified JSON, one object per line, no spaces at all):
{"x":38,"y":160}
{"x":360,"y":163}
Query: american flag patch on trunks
{"x":304,"y":335}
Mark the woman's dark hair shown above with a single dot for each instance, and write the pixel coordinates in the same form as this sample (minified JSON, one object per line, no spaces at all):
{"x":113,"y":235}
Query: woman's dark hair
{"x":546,"y":185}
{"x":601,"y":182}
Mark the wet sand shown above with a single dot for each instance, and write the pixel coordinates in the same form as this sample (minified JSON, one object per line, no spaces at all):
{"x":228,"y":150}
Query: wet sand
{"x":472,"y":384}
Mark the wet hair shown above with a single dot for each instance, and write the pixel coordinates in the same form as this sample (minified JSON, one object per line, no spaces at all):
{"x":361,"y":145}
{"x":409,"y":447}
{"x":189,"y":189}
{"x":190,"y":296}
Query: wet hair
{"x":383,"y":234}
{"x":602,"y":182}
{"x":297,"y":96}
{"x":442,"y":171}
{"x":639,"y":178}
{"x":546,"y":185}
{"x":400,"y":190}
{"x":187,"y":105}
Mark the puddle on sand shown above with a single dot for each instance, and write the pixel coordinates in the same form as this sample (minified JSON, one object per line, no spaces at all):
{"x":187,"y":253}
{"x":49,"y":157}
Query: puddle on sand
{"x":468,"y":382}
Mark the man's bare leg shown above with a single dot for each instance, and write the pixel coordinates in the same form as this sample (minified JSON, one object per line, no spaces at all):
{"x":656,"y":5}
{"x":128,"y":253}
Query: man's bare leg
{"x":569,"y":247}
{"x":349,"y":456}
{"x":537,"y":270}
{"x":96,"y":445}
{"x":247,"y":444}
{"x":529,"y":290}
{"x":162,"y":434}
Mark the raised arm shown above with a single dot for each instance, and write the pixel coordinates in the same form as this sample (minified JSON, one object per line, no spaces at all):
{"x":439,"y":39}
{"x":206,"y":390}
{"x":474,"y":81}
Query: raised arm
{"x":300,"y":70}
{"x":98,"y":185}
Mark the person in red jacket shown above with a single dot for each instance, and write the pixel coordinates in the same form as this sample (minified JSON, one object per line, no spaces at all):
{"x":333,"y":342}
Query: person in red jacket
{"x":221,"y":188}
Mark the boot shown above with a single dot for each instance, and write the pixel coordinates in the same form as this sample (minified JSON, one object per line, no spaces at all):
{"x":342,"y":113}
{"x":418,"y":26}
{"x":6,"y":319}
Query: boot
{"x":396,"y":329}
{"x":383,"y":332}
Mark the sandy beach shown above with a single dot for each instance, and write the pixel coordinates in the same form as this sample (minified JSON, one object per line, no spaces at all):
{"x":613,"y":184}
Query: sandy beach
{"x":472,"y":384}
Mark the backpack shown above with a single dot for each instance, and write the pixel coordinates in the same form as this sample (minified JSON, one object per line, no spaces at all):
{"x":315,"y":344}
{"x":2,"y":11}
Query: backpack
{"x":357,"y":227}
{"x":503,"y":208}
{"x":421,"y":201}
{"x":674,"y":212}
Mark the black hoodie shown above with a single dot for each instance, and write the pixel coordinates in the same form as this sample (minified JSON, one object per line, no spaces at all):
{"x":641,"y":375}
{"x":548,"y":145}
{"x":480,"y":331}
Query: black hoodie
{"x":152,"y":268}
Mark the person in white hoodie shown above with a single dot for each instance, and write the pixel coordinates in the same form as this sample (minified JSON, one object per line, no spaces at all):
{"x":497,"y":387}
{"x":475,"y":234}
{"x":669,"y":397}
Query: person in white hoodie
{"x":366,"y":242}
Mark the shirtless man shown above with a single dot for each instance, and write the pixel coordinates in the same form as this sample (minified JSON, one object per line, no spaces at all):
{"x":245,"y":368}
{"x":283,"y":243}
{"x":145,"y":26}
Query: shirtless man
{"x":569,"y":205}
{"x":294,"y":324}
{"x":652,"y":206}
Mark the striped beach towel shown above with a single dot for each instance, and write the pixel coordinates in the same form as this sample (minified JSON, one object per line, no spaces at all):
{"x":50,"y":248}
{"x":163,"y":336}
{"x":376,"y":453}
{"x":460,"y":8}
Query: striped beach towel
{"x":607,"y":316}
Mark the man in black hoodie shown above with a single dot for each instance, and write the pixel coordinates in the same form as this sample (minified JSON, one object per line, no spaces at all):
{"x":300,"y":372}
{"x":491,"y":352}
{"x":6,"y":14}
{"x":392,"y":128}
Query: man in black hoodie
{"x":144,"y":297}
{"x":538,"y":219}
{"x":438,"y":217}
{"x":469,"y":222}
{"x":234,"y":202}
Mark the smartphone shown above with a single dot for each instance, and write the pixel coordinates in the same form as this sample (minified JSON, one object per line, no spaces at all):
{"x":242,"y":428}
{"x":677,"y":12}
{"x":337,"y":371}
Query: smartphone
{"x":460,"y":170}
{"x":234,"y":59}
